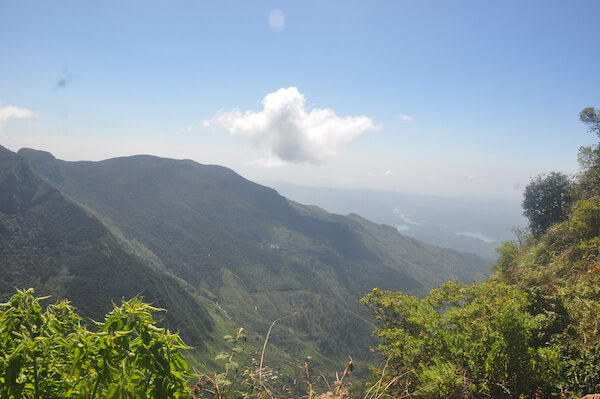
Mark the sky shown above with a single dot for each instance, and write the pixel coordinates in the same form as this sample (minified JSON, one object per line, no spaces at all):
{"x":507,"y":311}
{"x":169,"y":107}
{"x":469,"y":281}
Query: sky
{"x":451,"y":98}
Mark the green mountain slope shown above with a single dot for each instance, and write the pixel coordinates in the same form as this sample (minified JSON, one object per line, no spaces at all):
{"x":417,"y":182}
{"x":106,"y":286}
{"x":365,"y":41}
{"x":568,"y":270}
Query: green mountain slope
{"x":50,"y":243}
{"x":253,"y":254}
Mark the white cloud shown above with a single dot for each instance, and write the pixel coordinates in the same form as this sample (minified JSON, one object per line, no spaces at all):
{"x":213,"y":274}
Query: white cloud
{"x":276,"y":20}
{"x":12,"y":112}
{"x":387,"y":173}
{"x":289,"y":132}
{"x":405,"y":117}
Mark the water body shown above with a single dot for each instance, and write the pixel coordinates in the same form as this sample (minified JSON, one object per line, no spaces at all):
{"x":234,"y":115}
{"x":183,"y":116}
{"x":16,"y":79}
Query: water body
{"x":478,"y":236}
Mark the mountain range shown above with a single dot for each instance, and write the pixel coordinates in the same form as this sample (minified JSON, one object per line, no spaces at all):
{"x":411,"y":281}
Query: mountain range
{"x":214,"y":249}
{"x":467,"y":224}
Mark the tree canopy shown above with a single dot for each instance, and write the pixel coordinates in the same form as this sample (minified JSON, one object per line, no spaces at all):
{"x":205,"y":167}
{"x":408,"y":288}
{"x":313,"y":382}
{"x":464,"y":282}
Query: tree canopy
{"x":591,"y":117}
{"x":546,"y":201}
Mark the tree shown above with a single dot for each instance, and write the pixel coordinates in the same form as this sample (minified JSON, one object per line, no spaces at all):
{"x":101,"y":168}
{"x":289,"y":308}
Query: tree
{"x":546,"y":201}
{"x":587,"y":156}
{"x":591,"y":117}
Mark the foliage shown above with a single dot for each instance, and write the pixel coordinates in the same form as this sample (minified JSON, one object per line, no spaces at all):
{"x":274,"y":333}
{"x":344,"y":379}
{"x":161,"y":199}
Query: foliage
{"x":588,"y":182}
{"x":560,"y":273}
{"x":591,"y":117}
{"x":531,"y":330}
{"x":589,"y":156}
{"x":233,"y":381}
{"x":50,"y":354}
{"x":586,"y":156}
{"x":462,"y":341}
{"x":243,"y":377}
{"x":546,"y":201}
{"x":190,"y":236}
{"x":508,"y":251}
{"x":559,"y":269}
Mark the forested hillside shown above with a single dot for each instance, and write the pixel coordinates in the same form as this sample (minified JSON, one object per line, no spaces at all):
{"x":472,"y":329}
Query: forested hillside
{"x":50,"y":243}
{"x":215,"y":249}
{"x":532,"y":330}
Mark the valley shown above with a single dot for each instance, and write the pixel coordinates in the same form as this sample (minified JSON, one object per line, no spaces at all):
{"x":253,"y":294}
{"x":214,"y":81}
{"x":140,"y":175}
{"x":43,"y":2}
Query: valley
{"x":469,"y":225}
{"x":215,"y":249}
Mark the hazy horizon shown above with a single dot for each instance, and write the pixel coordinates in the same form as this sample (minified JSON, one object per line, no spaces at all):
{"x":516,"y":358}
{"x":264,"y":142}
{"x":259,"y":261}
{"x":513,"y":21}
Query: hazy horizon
{"x":452,"y":99}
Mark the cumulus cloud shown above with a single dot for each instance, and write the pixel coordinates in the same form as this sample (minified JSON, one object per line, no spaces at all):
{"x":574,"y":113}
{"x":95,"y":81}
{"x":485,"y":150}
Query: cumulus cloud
{"x":405,"y":117}
{"x":11,"y":112}
{"x":289,"y":132}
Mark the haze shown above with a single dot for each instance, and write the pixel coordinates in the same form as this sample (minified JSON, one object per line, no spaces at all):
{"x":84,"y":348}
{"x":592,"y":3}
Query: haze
{"x":462,"y":98}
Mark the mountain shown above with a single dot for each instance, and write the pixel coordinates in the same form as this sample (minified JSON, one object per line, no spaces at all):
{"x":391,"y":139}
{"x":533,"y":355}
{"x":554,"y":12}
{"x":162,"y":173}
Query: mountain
{"x":51,"y":243}
{"x":472,"y":225}
{"x":228,"y":248}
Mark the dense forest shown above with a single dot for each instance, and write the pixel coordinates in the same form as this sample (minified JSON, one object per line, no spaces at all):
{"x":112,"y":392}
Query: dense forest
{"x":530,"y":331}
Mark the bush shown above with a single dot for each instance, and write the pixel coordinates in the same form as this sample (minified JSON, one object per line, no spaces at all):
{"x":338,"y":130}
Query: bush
{"x":50,"y":354}
{"x":463,"y":342}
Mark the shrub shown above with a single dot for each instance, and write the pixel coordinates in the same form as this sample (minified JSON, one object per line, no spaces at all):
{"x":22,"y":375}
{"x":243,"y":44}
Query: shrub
{"x":50,"y":354}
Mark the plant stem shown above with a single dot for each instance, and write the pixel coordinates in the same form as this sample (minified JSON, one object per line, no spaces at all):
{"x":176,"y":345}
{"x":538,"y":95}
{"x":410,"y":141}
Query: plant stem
{"x":262,"y":355}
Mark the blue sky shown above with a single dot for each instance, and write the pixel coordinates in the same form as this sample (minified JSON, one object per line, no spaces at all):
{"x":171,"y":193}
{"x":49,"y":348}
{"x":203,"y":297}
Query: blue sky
{"x":439,"y":97}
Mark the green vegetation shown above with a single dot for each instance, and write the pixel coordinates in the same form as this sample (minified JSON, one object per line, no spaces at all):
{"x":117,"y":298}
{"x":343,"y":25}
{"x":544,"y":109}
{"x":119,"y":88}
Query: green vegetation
{"x":463,"y":341}
{"x":215,"y":249}
{"x":546,"y":201}
{"x":54,"y":245}
{"x":532,"y":330}
{"x":223,"y":251}
{"x":50,"y":354}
